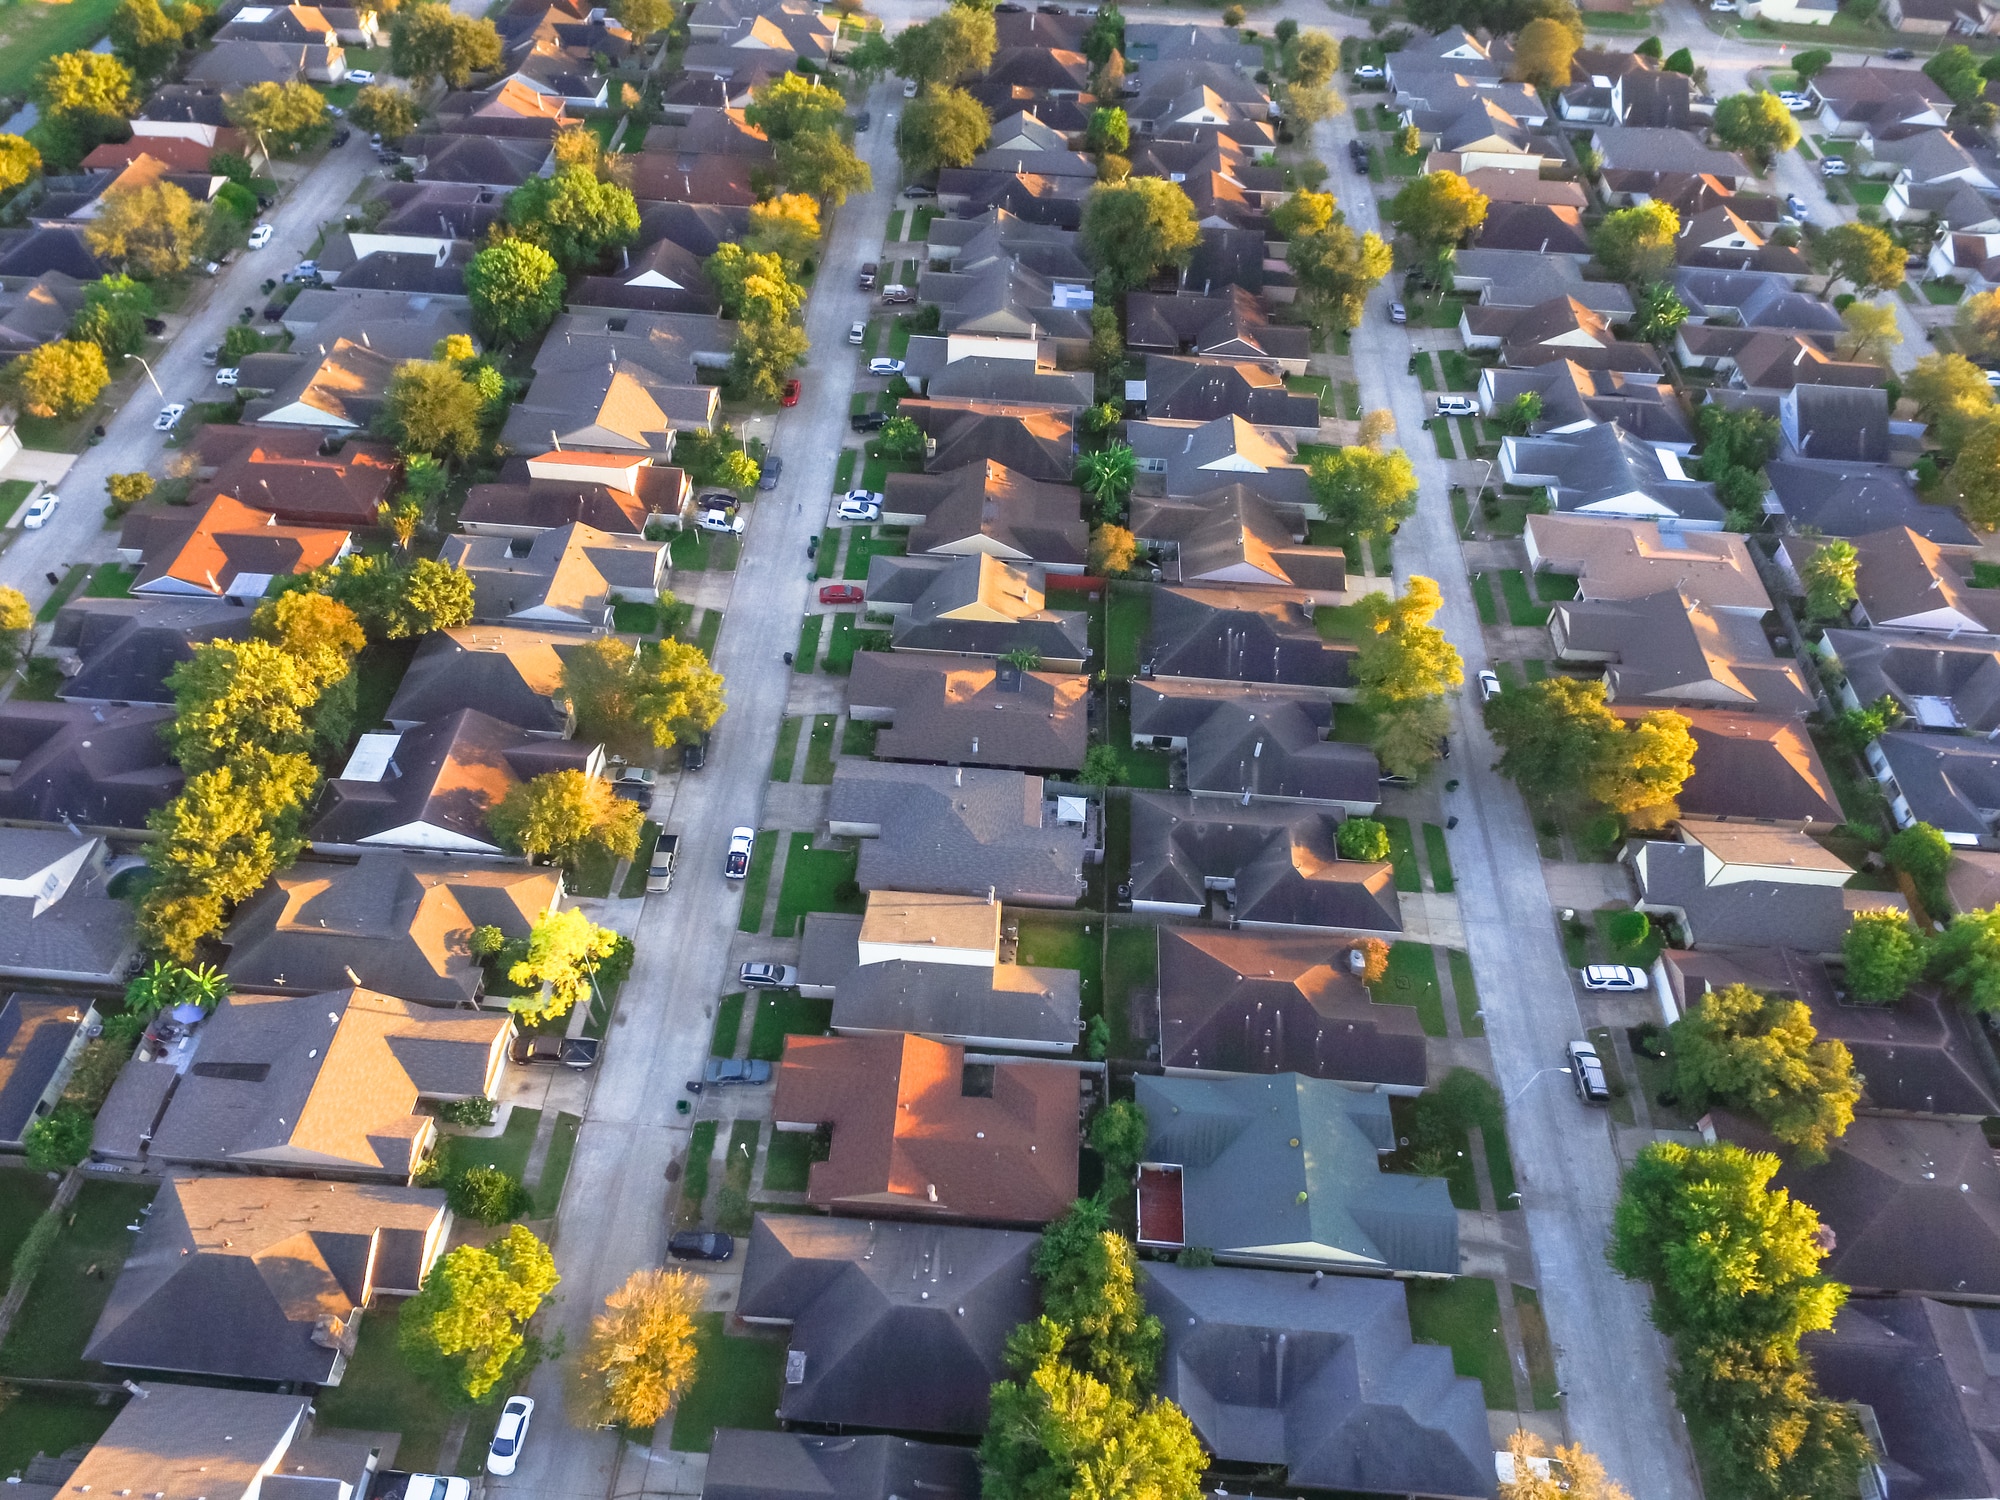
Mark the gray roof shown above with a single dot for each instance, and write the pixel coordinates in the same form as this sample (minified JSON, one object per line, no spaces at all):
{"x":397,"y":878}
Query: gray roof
{"x":1642,"y":404}
{"x":511,"y":673}
{"x":1925,"y":1370}
{"x":986,"y":505}
{"x":1196,"y":458}
{"x":1947,"y":781}
{"x":99,"y":767}
{"x":1189,"y":41}
{"x":999,"y":237}
{"x":1242,"y":635}
{"x":263,"y":1278}
{"x":1014,"y":381}
{"x":1224,"y":527}
{"x":1918,"y":1056}
{"x":1248,"y":1194}
{"x":1231,"y":324}
{"x":35,"y":1036}
{"x":192,"y":1442}
{"x":953,"y":614}
{"x":69,"y":929}
{"x":972,"y":713}
{"x":1521,"y":278}
{"x":960,"y":832}
{"x":1200,"y":390}
{"x":128,"y":646}
{"x":1841,"y":423}
{"x":1629,"y":148}
{"x":1273,"y":1369}
{"x":1038,"y":1008}
{"x":1605,"y":468}
{"x":619,"y":381}
{"x":1837,"y":498}
{"x":1281,"y":857}
{"x":1754,"y":299}
{"x":1002,"y":299}
{"x":1942,"y":681}
{"x":1269,"y":742}
{"x":807,"y":1466}
{"x":1236,"y":1001}
{"x":898,"y":1325}
{"x":1665,"y":648}
{"x":1751,"y":765}
{"x":1747,"y":913}
{"x":574,"y":572}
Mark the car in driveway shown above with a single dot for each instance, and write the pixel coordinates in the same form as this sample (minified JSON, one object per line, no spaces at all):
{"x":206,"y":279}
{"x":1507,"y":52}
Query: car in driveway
{"x":508,"y":1437}
{"x":1898,"y":54}
{"x":859,"y":506}
{"x":736,"y":863}
{"x":857,"y":332}
{"x":565,"y":1051}
{"x":168,"y":416}
{"x":919,"y":190}
{"x":884,"y":366}
{"x":1586,"y":1071}
{"x":1368,"y":73}
{"x":841,"y":593}
{"x":660,"y":874}
{"x":868,"y":421}
{"x":1798,"y":104}
{"x":227,"y":375}
{"x":737,"y":1071}
{"x":634,"y":784}
{"x":1489,"y":685}
{"x":790,"y":395}
{"x":762,"y":974}
{"x":1398,"y":313}
{"x":1456,"y":406}
{"x":360,"y":75}
{"x":1620,"y":978}
{"x":769,"y":470}
{"x":395,"y":1484}
{"x":1833,"y":166}
{"x":701,"y":1244}
{"x":261,"y":236}
{"x":720,"y":520}
{"x":1796,"y":204}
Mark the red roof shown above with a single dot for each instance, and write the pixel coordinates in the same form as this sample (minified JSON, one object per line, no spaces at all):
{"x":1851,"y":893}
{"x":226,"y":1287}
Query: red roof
{"x":1160,"y":1207}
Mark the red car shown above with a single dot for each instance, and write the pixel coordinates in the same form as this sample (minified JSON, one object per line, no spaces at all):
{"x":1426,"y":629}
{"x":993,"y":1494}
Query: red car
{"x":790,"y":397}
{"x":840,"y":593}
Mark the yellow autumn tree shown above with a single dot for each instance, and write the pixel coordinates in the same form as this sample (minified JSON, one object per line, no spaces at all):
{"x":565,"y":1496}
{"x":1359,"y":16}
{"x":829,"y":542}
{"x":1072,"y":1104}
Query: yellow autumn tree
{"x":640,"y":1359}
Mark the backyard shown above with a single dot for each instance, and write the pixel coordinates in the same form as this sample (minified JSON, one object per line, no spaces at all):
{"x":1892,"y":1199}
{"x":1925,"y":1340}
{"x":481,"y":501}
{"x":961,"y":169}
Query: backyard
{"x":74,"y":1282}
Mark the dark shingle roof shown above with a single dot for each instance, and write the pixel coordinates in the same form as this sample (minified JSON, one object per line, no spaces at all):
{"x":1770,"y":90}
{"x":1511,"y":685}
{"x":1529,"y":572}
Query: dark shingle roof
{"x":806,"y":1466}
{"x":128,"y":646}
{"x":1854,"y":499}
{"x":35,"y":1036}
{"x":972,"y":713}
{"x":101,"y":767}
{"x":1242,"y":635}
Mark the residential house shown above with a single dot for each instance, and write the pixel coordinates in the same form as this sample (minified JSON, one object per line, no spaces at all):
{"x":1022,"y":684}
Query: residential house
{"x":1230,"y":324}
{"x":1242,"y":635}
{"x":306,"y":25}
{"x":1234,"y":536}
{"x":1737,"y":885}
{"x":1500,"y":186}
{"x":337,"y":385}
{"x":986,"y":508}
{"x":954,"y":372}
{"x":960,"y":830}
{"x":616,"y":494}
{"x":1833,"y":498}
{"x":395,"y":922}
{"x":1610,"y":87}
{"x":1539,"y":228}
{"x":494,"y":162}
{"x":1235,"y":1001}
{"x":1854,"y":101}
{"x":433,"y":787}
{"x":1035,"y":442}
{"x":726,"y":180}
{"x":324,"y":1084}
{"x":1941,"y":17}
{"x":114,"y":652}
{"x":662,"y":277}
{"x":1973,"y":880}
{"x":1559,"y":329}
{"x":938,"y":966}
{"x":767,"y":45}
{"x":36,"y":310}
{"x":1178,"y":42}
{"x":1750,"y":299}
{"x":918,"y":1132}
{"x":459,"y":211}
{"x":1946,"y":780}
{"x":746,"y":1465}
{"x":1602,"y":470}
{"x":1201,"y":390}
{"x":264,"y":1279}
{"x":568,"y":577}
{"x":859,"y":1299}
{"x":1185,"y":459}
{"x":193,"y":112}
{"x":41,"y":248}
{"x":1250,"y":740}
{"x":1751,"y":767}
{"x":394,"y":321}
{"x":1663,"y":649}
{"x":1795,"y":12}
{"x":1613,"y":559}
{"x":1921,"y":156}
{"x":1837,"y":423}
{"x":1772,"y":361}
{"x":1220,"y":1172}
{"x":1264,"y":864}
{"x":86,"y":765}
{"x":1275,"y":1369}
{"x":41,"y":1037}
{"x":290,"y":474}
{"x":1517,"y":278}
{"x":1942,"y":682}
{"x":711,"y":132}
{"x":977,"y":606}
{"x":233,"y":66}
{"x":1633,"y":162}
{"x":223,"y":549}
{"x":1908,"y":582}
{"x":57,"y":922}
{"x":970,"y":713}
{"x":507,"y":672}
{"x":620,"y":382}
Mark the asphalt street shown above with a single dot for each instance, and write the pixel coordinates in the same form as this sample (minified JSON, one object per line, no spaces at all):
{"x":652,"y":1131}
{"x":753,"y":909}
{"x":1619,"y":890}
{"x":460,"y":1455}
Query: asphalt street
{"x":613,"y":1217}
{"x":77,"y":532}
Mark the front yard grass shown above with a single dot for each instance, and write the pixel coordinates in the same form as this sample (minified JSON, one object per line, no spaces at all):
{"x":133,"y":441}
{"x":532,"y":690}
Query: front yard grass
{"x":1521,"y":610}
{"x":1482,"y":599}
{"x":858,"y":738}
{"x":594,"y":868}
{"x":758,"y":880}
{"x":1412,"y":979}
{"x":71,"y":580}
{"x":788,"y":1163}
{"x":728,"y":1025}
{"x":381,"y":1393}
{"x":840,"y":645}
{"x":74,"y":1283}
{"x":1439,"y":858}
{"x":732,"y":1204}
{"x":508,"y":1150}
{"x":1538,"y":1348}
{"x":1466,"y":990}
{"x":555,"y":1166}
{"x":694,"y":1180}
{"x":787,"y":752}
{"x":45,"y":1422}
{"x":1639,"y":956}
{"x":863,"y":544}
{"x":736,"y":1384}
{"x":642,"y":862}
{"x":808,"y":652}
{"x":1463,"y":1314}
{"x":816,"y":880}
{"x":819,"y":751}
{"x":783,"y":1013}
{"x":1403,"y":854}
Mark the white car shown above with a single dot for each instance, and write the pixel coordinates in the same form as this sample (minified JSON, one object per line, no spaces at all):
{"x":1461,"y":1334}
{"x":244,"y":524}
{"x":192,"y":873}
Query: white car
{"x":1620,"y":977}
{"x":910,"y":89}
{"x":736,"y":864}
{"x":509,"y":1435}
{"x":227,"y":375}
{"x":720,"y":520}
{"x":362,"y":75}
{"x":37,"y":515}
{"x":1833,"y":166}
{"x":1798,"y":104}
{"x":168,"y":416}
{"x":1993,"y":379}
{"x":260,"y":236}
{"x":857,"y":332}
{"x":860,"y":510}
{"x":885,"y":367}
{"x":1367,"y":73}
{"x":1726,"y":6}
{"x":1457,"y":406}
{"x":1489,"y":686}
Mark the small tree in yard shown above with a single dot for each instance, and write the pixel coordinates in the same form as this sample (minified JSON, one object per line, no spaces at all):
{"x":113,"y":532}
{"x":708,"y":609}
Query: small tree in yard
{"x":1925,"y":855}
{"x":465,"y":1330}
{"x":1759,"y":125}
{"x":127,"y":490}
{"x":1113,"y":551}
{"x":561,"y":814}
{"x":1862,"y":253}
{"x":60,"y":1139}
{"x":1575,"y":1474}
{"x":1100,"y":767}
{"x":486,"y":1195}
{"x":1884,"y":954}
{"x":1739,"y":1048}
{"x":17,"y":618}
{"x":163,"y":985}
{"x":641,"y":1357}
{"x":1829,"y":577}
{"x":566,"y":952}
{"x":59,"y":379}
{"x":1364,"y":839}
{"x":1118,"y":1136}
{"x":516,"y":289}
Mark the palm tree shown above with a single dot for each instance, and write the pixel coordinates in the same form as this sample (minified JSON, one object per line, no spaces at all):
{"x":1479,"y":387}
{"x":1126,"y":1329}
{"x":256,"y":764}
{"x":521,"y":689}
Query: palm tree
{"x":1107,"y":475}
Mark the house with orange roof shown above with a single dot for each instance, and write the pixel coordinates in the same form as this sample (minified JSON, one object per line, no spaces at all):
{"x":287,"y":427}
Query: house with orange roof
{"x":224,"y":549}
{"x":290,"y":474}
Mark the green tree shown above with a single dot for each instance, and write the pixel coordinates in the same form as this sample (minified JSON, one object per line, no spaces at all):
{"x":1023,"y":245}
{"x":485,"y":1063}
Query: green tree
{"x":1113,"y":551}
{"x":1541,"y":54}
{"x":19,"y":162}
{"x":286,"y":115}
{"x":1925,"y":855}
{"x":1312,"y":59}
{"x":1403,"y":670}
{"x":1518,"y":416}
{"x":113,"y":315}
{"x":1810,"y":62}
{"x":644,"y":17}
{"x":1728,"y":1257}
{"x":1872,"y":330}
{"x":428,"y":41}
{"x":1955,"y":70}
{"x":153,"y":230}
{"x":824,"y":166}
{"x":1133,"y":229}
{"x":1107,"y":475}
{"x":1362,"y":490}
{"x":1974,"y":481}
{"x":1863,"y":254}
{"x":792,"y":105}
{"x":753,"y":284}
{"x":1089,"y":1274}
{"x":765,"y":352}
{"x":574,"y":216}
{"x":1641,"y":769}
{"x":1637,"y":244}
{"x":658,"y":693}
{"x":1100,"y":767}
{"x":1107,"y":342}
{"x":163,"y":986}
{"x":144,"y":37}
{"x":1829,"y":576}
{"x":1109,"y":130}
{"x":486,"y":1195}
{"x":565,"y":952}
{"x":127,"y":490}
{"x":1305,"y":212}
{"x":1437,"y":209}
{"x":465,"y":1328}
{"x":786,"y":226}
{"x":516,"y":290}
{"x":1952,"y":395}
{"x":232,"y":698}
{"x":1762,"y":1428}
{"x":1118,"y":1134}
{"x":59,"y":379}
{"x":1363,"y":839}
{"x":1336,"y":269}
{"x":957,"y":41}
{"x":60,"y":1139}
{"x":947,"y":127}
{"x":1977,"y":329}
{"x":1745,"y":1050}
{"x":394,"y":602}
{"x":901,"y":438}
{"x":1884,"y":953}
{"x":1660,"y":314}
{"x":432,"y":407}
{"x":1056,"y":1432}
{"x":1679,"y":61}
{"x":871,"y":58}
{"x":1107,"y":35}
{"x":1551,"y":734}
{"x":1965,"y":958}
{"x":385,"y":109}
{"x":561,"y":815}
{"x":1756,"y":124}
{"x":87,"y":88}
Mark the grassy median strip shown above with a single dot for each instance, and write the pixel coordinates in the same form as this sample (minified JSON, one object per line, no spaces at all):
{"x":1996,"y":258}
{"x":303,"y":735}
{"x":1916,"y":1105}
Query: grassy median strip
{"x":1440,"y":859}
{"x":787,"y":753}
{"x":819,"y":751}
{"x":758,"y":881}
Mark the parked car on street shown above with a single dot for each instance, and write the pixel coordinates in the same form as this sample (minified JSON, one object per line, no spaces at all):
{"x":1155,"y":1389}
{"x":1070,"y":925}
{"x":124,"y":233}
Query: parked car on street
{"x":1898,"y":54}
{"x":37,"y":515}
{"x":736,"y":864}
{"x":169,"y":415}
{"x":1586,"y":1071}
{"x":1489,"y":686}
{"x":227,"y":375}
{"x":790,"y":395}
{"x":260,"y":236}
{"x":512,"y":1431}
{"x":769,"y":470}
{"x":857,"y":332}
{"x":764,"y":975}
{"x":1398,"y":313}
{"x":660,"y":874}
{"x":701,"y":1244}
{"x":568,"y":1051}
{"x":723,"y":1071}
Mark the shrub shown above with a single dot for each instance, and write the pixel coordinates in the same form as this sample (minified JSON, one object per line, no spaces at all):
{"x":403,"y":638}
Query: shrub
{"x":475,"y":1113}
{"x":1629,"y":929}
{"x":1363,"y":838}
{"x":487,"y":1195}
{"x":60,"y":1139}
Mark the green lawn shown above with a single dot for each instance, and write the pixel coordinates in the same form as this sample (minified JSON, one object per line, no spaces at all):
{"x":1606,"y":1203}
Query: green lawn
{"x":1555,"y":588}
{"x":1341,"y":622}
{"x":555,"y":1166}
{"x":1942,"y":293}
{"x":858,"y":738}
{"x":1640,"y":957}
{"x":1048,"y":941}
{"x":783,"y":1013}
{"x":1412,"y":979}
{"x":736,"y":1384}
{"x":1521,"y":610}
{"x":808,"y":652}
{"x":828,"y":553}
{"x":1441,"y":436}
{"x":71,"y":580}
{"x":739,"y":1160}
{"x":508,"y":1150}
{"x":635,"y":619}
{"x":790,"y":1159}
{"x":1538,"y":1348}
{"x":758,"y":880}
{"x":728,"y":1025}
{"x":694,"y":1182}
{"x":70,"y":1291}
{"x":24,"y":1194}
{"x":840,"y":645}
{"x":1403,"y":854}
{"x":108,"y":580}
{"x":1439,"y":858}
{"x":642,"y":861}
{"x":593,"y":872}
{"x":1128,"y":617}
{"x":816,"y":880}
{"x":1467,"y":990}
{"x":34,"y":32}
{"x":12,"y":493}
{"x":894,"y":233}
{"x":378,"y":672}
{"x":819,"y":751}
{"x":708,"y":630}
{"x":863,"y":544}
{"x":787,"y":752}
{"x":380,"y":1393}
{"x":1482,"y":598}
{"x":1464,"y":1315}
{"x":33,"y":1422}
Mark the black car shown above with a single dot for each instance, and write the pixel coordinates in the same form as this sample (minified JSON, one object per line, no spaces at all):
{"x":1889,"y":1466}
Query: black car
{"x":868,"y":421}
{"x":771,"y":468}
{"x":569,"y":1051}
{"x":342,"y":136}
{"x":1899,"y":54}
{"x":701,"y":1244}
{"x":694,"y":753}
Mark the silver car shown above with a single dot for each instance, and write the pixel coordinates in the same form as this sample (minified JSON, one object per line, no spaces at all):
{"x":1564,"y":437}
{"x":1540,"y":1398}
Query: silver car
{"x":1586,"y":1070}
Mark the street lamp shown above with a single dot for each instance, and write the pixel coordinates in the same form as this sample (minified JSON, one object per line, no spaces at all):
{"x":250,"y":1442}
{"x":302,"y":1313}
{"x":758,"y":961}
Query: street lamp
{"x":1472,"y":510}
{"x":1531,"y":1083}
{"x":149,"y":374}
